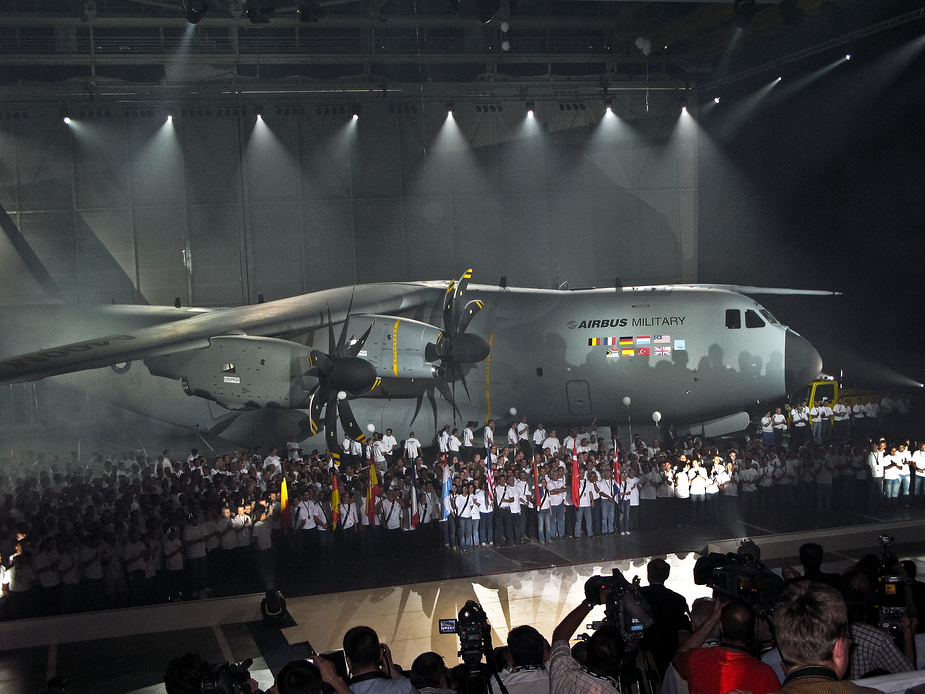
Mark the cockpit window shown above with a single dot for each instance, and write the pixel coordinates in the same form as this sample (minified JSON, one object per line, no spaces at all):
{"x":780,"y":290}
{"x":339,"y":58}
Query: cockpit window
{"x":752,"y":319}
{"x":768,"y":317}
{"x":733,"y":318}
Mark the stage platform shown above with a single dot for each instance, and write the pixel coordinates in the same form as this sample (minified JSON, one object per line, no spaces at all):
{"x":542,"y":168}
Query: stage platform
{"x":124,"y":651}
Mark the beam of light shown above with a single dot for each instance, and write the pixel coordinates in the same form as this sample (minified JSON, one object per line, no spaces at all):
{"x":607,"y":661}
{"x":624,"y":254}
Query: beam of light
{"x":794,"y":86}
{"x":740,"y":113}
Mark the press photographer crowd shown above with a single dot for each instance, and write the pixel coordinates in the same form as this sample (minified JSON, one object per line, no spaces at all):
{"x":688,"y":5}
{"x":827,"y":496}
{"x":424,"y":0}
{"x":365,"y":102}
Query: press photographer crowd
{"x":758,"y":632}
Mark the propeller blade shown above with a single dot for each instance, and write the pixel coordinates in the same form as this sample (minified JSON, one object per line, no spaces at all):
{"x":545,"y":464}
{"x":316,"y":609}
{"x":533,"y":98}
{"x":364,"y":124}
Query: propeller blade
{"x":343,"y":332}
{"x":316,"y":402}
{"x":349,"y":422}
{"x":355,"y":348}
{"x":472,"y":308}
{"x":320,"y":361}
{"x":448,"y":325}
{"x":331,"y":343}
{"x":462,"y":378}
{"x":458,"y":299}
{"x":330,"y":426}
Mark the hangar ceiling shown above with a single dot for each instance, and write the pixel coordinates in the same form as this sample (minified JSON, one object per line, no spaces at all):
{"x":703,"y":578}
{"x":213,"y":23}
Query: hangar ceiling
{"x":527,"y":48}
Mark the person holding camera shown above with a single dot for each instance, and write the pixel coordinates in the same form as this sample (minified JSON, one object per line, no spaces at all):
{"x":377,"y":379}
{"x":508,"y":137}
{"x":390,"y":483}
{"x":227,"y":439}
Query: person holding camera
{"x":371,"y":666}
{"x":600,"y":673}
{"x":874,"y":652}
{"x":729,"y":665}
{"x":308,"y":677}
{"x":811,"y":623}
{"x":529,"y":653}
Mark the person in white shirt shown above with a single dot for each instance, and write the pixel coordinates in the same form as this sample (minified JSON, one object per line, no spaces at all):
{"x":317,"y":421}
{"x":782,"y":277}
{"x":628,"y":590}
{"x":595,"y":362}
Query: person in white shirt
{"x":552,"y":443}
{"x":508,"y":501}
{"x":453,"y":443}
{"x":918,"y":483}
{"x":629,"y":499}
{"x":586,"y":499}
{"x":841,"y":421}
{"x":412,"y":448}
{"x":468,"y":442}
{"x":779,"y":422}
{"x":767,"y":429}
{"x":539,"y":436}
{"x":389,"y":444}
{"x":555,"y":486}
{"x":489,"y":433}
{"x":523,"y":438}
{"x":875,"y":464}
{"x":799,"y":425}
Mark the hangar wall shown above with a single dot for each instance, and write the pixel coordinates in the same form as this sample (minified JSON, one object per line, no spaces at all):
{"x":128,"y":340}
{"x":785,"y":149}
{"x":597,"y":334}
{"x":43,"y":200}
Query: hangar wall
{"x":218,"y":208}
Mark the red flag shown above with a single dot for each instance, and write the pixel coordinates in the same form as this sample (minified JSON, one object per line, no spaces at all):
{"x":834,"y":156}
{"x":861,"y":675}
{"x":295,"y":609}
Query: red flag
{"x":335,"y":499}
{"x":616,"y":466}
{"x":576,"y":492}
{"x":372,"y":489}
{"x":285,"y":515}
{"x":536,"y":486}
{"x":489,"y":480}
{"x":415,"y":513}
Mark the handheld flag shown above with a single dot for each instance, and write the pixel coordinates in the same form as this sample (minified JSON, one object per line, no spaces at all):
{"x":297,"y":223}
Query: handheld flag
{"x":576,"y":482}
{"x":489,"y":479}
{"x":335,"y":500}
{"x":415,"y":515}
{"x":372,"y":490}
{"x":536,"y":486}
{"x":285,"y":513}
{"x":447,"y":486}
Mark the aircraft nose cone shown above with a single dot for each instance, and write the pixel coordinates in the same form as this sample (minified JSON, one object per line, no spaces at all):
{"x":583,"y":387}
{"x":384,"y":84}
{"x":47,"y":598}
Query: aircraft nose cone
{"x":802,"y":363}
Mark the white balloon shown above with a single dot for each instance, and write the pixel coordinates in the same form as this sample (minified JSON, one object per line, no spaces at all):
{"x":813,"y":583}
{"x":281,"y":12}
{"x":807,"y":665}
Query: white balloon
{"x":646,"y":47}
{"x":505,"y":45}
{"x":639,"y":42}
{"x":370,"y":428}
{"x":513,"y":411}
{"x":626,"y":400}
{"x":341,"y":395}
{"x":505,"y":26}
{"x":656,"y":416}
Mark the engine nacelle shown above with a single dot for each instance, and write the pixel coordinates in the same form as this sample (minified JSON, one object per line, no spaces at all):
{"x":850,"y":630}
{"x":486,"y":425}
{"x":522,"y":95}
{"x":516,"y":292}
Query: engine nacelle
{"x":242,"y":372}
{"x":395,"y":346}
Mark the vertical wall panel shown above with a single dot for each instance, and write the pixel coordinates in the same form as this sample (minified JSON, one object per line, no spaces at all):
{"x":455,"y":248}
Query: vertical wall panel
{"x":215,"y":254}
{"x":101,"y":173}
{"x":275,"y":245}
{"x":43,"y":163}
{"x":106,"y":254}
{"x":161,"y":239}
{"x":217,"y":209}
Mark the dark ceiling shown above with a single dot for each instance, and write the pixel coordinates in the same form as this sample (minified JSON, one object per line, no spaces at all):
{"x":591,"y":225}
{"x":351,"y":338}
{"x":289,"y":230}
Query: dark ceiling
{"x":377,"y":44}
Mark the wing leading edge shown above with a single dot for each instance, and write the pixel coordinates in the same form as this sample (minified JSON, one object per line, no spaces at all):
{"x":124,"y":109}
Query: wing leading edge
{"x":304,"y":312}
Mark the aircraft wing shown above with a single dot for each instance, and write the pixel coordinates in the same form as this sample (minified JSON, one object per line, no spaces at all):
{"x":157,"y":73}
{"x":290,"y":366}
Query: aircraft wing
{"x":299,"y":313}
{"x":747,"y":289}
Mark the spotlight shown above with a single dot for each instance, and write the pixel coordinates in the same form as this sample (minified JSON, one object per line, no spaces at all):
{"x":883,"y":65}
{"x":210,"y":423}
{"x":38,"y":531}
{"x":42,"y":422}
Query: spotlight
{"x":848,"y":56}
{"x":258,"y":111}
{"x":744,"y":12}
{"x":608,"y":105}
{"x":257,"y":12}
{"x":169,"y":117}
{"x":195,"y":9}
{"x":715,"y":99}
{"x":310,"y":12}
{"x":531,"y":106}
{"x":356,"y":111}
{"x":790,"y":14}
{"x":682,"y":103}
{"x":449,"y":107}
{"x":65,"y":115}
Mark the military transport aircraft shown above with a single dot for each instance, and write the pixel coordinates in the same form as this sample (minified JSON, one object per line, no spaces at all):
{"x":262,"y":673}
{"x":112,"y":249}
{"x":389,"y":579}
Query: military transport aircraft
{"x":418,"y":355}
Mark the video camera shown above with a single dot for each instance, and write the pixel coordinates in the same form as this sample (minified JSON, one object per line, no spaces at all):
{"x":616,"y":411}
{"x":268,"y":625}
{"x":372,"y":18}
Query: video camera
{"x":626,"y":608}
{"x":228,"y":678}
{"x":474,"y":632}
{"x":892,"y":605}
{"x":474,"y":642}
{"x":740,"y":575}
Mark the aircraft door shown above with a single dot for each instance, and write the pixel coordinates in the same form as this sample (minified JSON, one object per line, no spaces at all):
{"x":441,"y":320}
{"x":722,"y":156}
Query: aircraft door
{"x":579,"y":397}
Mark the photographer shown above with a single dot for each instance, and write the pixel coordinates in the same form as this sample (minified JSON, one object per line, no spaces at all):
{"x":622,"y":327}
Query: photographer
{"x":669,"y":612}
{"x":874,"y":652}
{"x":811,"y":623}
{"x":529,"y":653}
{"x":370,"y":664}
{"x":601,"y":672}
{"x":729,"y":665}
{"x":307,"y":676}
{"x":190,"y":674}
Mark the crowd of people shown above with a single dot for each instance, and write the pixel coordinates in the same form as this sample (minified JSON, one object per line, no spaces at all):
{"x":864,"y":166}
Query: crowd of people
{"x":820,"y":632}
{"x":131,"y":529}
